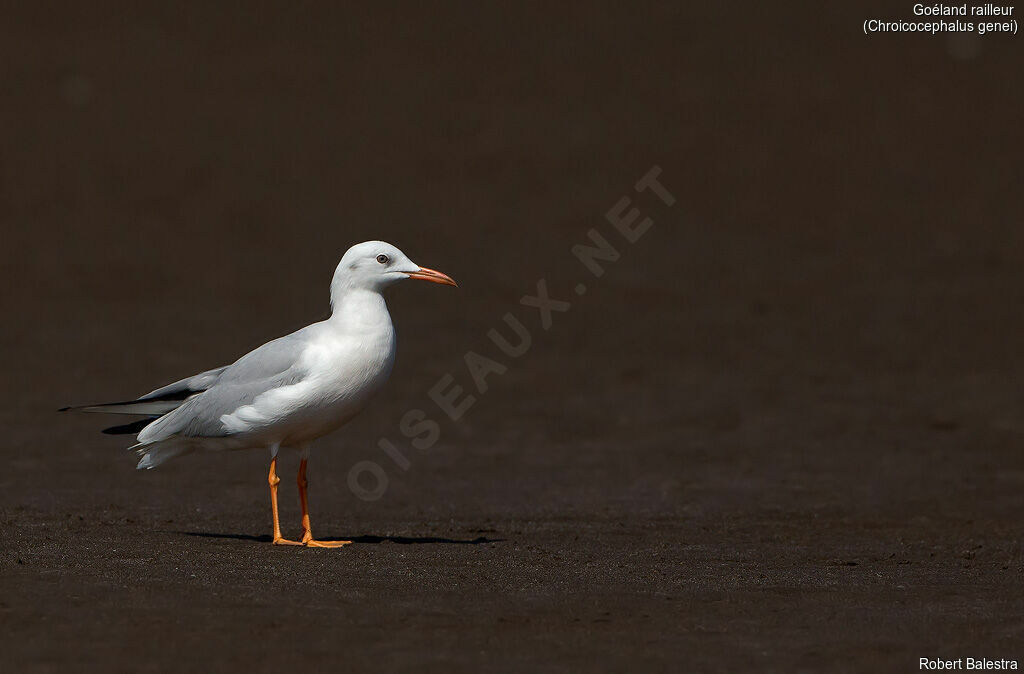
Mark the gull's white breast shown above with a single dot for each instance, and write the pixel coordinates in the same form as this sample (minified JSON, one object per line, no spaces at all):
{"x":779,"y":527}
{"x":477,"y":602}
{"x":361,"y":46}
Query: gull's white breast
{"x":342,"y":366}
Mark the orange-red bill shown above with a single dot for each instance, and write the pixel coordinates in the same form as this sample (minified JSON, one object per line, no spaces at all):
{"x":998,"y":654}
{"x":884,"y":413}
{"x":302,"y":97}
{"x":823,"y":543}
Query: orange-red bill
{"x":424,"y":274}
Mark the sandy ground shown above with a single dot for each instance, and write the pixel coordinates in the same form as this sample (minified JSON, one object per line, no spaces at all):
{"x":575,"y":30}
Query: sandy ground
{"x":781,"y":433}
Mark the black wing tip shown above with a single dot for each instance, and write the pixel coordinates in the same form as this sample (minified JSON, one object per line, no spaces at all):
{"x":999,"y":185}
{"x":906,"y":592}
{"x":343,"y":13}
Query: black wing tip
{"x":174,"y":396}
{"x":132,"y":428}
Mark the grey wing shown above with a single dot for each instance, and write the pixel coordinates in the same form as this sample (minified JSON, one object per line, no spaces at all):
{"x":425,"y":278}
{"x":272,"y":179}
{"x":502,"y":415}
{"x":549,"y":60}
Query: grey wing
{"x":187,"y":386}
{"x":270,"y":366}
{"x":160,"y":401}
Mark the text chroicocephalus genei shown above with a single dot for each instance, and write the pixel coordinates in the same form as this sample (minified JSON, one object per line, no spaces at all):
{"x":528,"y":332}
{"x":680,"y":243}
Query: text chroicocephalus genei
{"x":291,"y":390}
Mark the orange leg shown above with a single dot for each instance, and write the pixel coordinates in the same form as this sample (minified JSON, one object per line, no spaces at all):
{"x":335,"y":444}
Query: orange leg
{"x":273,"y":479}
{"x":307,"y":533}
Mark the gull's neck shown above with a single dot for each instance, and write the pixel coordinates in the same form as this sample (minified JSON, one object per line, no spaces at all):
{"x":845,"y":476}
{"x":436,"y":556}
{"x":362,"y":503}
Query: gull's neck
{"x":358,"y":308}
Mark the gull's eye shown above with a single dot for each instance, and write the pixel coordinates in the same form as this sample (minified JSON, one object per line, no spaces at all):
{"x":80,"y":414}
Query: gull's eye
{"x":382,"y":258}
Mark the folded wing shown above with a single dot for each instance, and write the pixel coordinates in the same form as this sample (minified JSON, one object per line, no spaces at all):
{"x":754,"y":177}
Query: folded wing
{"x":154,"y":404}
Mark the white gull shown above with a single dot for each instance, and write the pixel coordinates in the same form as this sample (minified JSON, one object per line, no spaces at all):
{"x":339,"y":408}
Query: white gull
{"x":290,"y":391}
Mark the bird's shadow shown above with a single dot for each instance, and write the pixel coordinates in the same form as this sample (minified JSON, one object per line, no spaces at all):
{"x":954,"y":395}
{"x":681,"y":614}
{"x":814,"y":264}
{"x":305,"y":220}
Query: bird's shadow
{"x":400,"y":540}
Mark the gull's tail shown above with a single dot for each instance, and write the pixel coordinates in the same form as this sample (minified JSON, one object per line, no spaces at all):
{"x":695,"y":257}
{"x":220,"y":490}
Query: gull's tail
{"x":152,"y":454}
{"x":151,"y":407}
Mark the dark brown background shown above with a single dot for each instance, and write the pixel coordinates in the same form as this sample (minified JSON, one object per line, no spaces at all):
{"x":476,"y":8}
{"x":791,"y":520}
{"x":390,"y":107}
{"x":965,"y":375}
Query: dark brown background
{"x":783,"y":432}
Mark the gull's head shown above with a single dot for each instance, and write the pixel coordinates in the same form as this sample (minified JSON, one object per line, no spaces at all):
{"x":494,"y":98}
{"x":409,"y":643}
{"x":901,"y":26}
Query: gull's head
{"x":375,"y":265}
